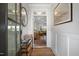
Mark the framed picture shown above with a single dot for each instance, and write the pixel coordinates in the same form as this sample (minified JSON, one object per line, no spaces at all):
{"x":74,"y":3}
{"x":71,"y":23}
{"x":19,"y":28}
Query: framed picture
{"x":63,"y":13}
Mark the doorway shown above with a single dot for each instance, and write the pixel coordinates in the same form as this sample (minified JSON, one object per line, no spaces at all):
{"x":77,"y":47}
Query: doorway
{"x":40,"y":31}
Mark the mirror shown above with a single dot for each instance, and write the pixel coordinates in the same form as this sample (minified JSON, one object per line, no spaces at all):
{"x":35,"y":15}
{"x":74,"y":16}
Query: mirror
{"x":24,"y":16}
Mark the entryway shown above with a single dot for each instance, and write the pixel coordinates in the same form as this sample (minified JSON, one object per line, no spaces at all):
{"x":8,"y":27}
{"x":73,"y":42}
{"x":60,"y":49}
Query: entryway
{"x":40,"y":31}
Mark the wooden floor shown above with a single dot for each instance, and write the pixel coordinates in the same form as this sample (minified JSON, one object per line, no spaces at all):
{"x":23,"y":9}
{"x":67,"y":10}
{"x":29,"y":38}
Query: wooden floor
{"x":42,"y":52}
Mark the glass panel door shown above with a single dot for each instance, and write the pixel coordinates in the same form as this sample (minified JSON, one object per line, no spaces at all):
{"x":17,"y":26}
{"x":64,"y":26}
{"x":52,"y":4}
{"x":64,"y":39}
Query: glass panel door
{"x":18,"y":12}
{"x":11,"y":38}
{"x":18,"y":37}
{"x":13,"y":28}
{"x":18,"y":26}
{"x":11,"y":11}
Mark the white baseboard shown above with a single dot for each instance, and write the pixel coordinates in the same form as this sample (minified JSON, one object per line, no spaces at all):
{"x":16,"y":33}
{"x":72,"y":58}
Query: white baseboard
{"x":54,"y":52}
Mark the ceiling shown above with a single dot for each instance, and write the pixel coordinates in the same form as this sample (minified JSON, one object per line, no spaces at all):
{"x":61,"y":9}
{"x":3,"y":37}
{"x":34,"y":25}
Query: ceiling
{"x":41,"y":5}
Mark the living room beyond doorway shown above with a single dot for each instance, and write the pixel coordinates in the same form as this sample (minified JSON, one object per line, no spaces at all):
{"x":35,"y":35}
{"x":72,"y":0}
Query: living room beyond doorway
{"x":40,"y":31}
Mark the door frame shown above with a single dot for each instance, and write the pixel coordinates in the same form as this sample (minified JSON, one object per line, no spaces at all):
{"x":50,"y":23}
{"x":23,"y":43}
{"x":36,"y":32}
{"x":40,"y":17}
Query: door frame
{"x":33,"y":33}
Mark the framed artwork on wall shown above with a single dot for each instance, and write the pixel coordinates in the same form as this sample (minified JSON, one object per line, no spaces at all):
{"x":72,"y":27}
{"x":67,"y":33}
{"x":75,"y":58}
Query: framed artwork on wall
{"x":62,"y":13}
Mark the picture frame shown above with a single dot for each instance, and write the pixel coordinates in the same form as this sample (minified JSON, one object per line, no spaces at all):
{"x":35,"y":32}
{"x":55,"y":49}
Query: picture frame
{"x":63,"y":13}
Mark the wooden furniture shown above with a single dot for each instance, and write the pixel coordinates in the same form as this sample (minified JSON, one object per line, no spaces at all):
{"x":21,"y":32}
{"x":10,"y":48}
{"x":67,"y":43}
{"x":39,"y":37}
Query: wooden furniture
{"x":37,"y":35}
{"x":26,"y":48}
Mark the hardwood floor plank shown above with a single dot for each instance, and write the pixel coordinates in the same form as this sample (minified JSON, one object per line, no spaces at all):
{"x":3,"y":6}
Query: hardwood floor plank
{"x":42,"y":52}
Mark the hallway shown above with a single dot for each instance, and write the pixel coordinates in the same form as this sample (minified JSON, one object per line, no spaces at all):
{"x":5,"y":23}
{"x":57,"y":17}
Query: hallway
{"x":39,"y":29}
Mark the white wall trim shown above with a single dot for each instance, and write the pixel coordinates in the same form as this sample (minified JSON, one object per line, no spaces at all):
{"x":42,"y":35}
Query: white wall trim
{"x":54,"y":51}
{"x":68,"y":46}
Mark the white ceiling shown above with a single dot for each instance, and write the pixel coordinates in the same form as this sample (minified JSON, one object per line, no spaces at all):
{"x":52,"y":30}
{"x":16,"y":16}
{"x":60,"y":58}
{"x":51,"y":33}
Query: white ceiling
{"x":41,"y":5}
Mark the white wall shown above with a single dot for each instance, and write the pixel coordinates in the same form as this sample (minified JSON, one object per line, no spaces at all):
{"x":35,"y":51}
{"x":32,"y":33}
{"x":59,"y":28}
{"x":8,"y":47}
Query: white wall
{"x":49,"y":29}
{"x":67,"y":36}
{"x":27,"y":29}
